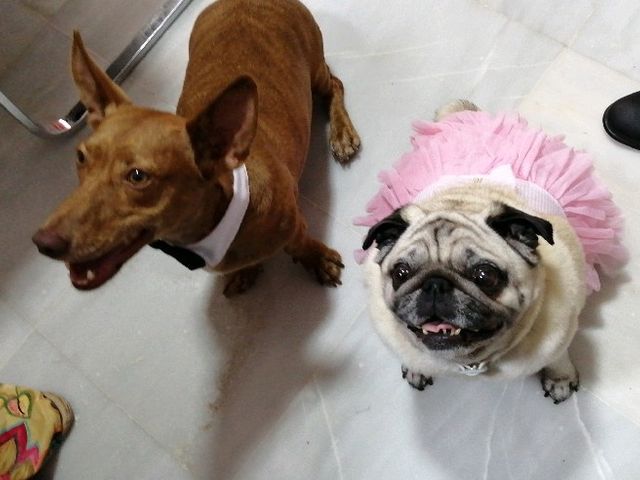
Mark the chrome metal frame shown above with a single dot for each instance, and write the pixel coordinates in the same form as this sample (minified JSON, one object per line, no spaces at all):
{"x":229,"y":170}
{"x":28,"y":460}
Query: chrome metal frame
{"x":118,"y":70}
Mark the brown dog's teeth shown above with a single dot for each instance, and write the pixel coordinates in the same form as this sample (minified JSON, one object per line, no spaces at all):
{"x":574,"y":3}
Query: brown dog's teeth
{"x":90,"y":275}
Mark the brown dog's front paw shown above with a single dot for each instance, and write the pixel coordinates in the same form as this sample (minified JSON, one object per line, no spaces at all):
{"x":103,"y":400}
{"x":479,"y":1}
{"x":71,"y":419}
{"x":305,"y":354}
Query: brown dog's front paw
{"x":329,"y":268}
{"x":344,"y":142}
{"x":242,"y":280}
{"x":326,"y":265}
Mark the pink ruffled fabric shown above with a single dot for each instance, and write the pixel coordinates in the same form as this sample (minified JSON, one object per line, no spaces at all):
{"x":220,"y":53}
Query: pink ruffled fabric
{"x":474,"y":143}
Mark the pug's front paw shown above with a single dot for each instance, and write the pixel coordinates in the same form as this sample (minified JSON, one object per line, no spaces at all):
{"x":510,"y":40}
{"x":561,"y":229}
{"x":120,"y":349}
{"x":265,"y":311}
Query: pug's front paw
{"x":559,"y":388}
{"x":416,"y":380}
{"x":559,"y":379}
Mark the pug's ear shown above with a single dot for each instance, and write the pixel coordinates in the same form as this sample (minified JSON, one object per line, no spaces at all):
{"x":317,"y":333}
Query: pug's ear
{"x":521,"y":230}
{"x":385,"y":233}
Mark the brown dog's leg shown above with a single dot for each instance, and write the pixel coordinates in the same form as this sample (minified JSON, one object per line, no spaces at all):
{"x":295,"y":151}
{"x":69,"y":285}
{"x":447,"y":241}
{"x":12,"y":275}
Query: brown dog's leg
{"x":344,"y":139}
{"x":322,"y":261}
{"x":242,"y":280}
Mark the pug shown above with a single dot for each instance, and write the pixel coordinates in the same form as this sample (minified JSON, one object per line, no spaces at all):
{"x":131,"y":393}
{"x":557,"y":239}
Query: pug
{"x":471,"y":281}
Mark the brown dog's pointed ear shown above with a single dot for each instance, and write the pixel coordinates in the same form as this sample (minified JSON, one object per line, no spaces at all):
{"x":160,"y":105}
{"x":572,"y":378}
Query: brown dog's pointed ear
{"x":225,"y":129}
{"x":97,"y":90}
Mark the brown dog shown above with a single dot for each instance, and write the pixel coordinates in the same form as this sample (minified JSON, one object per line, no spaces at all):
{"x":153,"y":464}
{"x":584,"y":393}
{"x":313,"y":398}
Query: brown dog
{"x":147,"y":175}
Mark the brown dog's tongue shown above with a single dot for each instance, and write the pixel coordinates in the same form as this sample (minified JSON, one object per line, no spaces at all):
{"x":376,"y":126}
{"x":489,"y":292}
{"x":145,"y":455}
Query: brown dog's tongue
{"x":92,"y":274}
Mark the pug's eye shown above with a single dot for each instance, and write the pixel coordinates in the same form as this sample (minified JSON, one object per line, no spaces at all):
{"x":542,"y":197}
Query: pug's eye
{"x":489,"y":278}
{"x":137,"y":177}
{"x":400,"y":273}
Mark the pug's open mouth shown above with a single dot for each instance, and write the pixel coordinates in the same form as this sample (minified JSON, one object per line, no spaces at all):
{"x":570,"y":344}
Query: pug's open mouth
{"x":439,"y":335}
{"x":93,"y":273}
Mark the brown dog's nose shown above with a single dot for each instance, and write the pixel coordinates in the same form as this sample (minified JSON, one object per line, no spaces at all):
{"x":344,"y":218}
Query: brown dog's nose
{"x":51,"y":244}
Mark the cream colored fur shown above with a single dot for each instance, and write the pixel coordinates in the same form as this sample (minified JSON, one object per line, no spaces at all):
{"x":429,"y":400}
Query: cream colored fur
{"x":546,"y":329}
{"x":542,"y":334}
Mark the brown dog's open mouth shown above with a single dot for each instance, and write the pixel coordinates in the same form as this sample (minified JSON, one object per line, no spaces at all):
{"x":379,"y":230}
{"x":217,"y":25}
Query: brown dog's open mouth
{"x":94,"y":273}
{"x":440,"y":335}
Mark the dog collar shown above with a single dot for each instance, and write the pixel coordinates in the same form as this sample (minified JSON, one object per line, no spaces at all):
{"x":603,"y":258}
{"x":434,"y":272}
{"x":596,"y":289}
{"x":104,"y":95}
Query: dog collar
{"x":473,"y":369}
{"x":536,"y":197}
{"x":210,"y":251}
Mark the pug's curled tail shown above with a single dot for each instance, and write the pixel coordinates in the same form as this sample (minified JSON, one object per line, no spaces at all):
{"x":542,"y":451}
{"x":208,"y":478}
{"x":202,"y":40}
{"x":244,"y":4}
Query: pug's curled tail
{"x":455,"y":106}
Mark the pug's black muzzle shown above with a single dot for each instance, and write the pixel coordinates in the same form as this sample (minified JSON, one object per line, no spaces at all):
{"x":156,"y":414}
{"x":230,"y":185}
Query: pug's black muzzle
{"x":444,"y":317}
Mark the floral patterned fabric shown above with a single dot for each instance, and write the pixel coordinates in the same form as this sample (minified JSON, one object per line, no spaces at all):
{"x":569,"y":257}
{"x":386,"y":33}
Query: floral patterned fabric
{"x":28,"y":424}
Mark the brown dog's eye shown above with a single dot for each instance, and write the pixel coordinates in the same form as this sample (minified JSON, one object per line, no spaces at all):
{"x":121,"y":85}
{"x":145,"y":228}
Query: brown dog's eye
{"x":400,"y":273}
{"x":137,"y":177}
{"x":81,"y":157}
{"x":489,"y":278}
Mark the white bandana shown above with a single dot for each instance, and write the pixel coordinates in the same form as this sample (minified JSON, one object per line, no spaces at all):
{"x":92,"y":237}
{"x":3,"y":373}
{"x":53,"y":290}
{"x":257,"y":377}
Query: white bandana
{"x":214,"y":246}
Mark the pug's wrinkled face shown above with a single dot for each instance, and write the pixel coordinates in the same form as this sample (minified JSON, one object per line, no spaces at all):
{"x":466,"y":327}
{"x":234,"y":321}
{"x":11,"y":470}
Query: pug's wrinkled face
{"x":459,"y":281}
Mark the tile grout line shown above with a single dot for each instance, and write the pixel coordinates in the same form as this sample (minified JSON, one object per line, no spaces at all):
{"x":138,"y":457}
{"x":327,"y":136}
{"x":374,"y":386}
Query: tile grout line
{"x":541,"y":78}
{"x":334,"y":444}
{"x":614,"y":408}
{"x":568,"y":45}
{"x":30,"y":327}
{"x":337,"y":220}
{"x":45,"y":23}
{"x":110,"y":399}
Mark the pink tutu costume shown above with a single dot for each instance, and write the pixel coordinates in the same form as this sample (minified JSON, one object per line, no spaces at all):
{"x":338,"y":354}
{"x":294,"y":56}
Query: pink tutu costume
{"x":474,"y":143}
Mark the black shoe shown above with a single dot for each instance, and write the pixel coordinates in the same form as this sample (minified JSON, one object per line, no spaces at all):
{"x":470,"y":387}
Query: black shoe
{"x":621,"y":120}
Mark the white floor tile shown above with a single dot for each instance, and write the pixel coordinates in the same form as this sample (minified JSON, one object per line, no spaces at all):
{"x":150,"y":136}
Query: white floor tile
{"x":35,"y":177}
{"x":46,"y":8}
{"x":18,"y":28}
{"x":105,"y":442}
{"x":13,"y":332}
{"x":611,"y":36}
{"x":561,"y":21}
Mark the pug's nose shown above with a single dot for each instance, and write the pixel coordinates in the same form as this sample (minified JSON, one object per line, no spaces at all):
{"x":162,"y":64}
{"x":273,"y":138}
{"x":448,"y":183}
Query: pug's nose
{"x":438,"y":285}
{"x":51,"y":244}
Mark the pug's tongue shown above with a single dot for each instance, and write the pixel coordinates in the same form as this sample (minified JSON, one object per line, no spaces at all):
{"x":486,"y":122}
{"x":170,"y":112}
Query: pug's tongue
{"x":437,"y":327}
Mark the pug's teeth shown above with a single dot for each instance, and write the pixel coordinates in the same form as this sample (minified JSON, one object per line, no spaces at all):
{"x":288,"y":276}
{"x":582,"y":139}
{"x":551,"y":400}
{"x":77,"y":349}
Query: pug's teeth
{"x":424,"y":329}
{"x":457,"y":331}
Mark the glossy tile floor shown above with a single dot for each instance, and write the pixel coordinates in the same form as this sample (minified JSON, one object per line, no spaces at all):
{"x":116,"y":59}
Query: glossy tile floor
{"x":172,"y":381}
